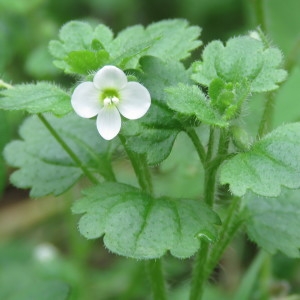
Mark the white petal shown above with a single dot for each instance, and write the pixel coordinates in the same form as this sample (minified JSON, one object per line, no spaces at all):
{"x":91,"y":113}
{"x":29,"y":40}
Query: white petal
{"x":110,"y":77}
{"x":109,"y":122}
{"x":135,"y":101}
{"x":85,"y":100}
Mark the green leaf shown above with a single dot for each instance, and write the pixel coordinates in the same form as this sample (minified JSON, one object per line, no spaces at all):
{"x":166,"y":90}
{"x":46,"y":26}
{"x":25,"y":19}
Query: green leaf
{"x":273,"y":223}
{"x":43,"y":164}
{"x":84,"y":61}
{"x":154,"y":134}
{"x":176,"y":39}
{"x":169,"y":40}
{"x":191,"y":101}
{"x":129,"y":46}
{"x":158,"y":74}
{"x":138,"y":226}
{"x":36,"y":98}
{"x":80,"y":39}
{"x":242,"y":58}
{"x":77,"y":36}
{"x":272,"y":162}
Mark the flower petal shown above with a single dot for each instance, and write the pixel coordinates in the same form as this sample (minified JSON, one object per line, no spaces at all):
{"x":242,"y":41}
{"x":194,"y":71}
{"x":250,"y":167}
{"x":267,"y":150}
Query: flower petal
{"x":135,"y":101}
{"x":85,"y":100}
{"x":110,"y":77}
{"x":109,"y":122}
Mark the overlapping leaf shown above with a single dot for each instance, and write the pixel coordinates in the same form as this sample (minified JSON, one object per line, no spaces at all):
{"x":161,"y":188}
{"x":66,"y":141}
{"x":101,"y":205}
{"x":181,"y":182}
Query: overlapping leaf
{"x":154,"y":134}
{"x":191,"y":101}
{"x":158,"y":129}
{"x":169,"y":40}
{"x":243,"y":58}
{"x":44,"y":166}
{"x":139,"y":226}
{"x":280,"y":215}
{"x":272,"y":162}
{"x":79,"y":42}
{"x":36,"y":98}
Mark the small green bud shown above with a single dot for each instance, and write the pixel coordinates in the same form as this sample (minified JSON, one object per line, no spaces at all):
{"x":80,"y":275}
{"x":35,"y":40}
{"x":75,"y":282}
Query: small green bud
{"x":240,"y":138}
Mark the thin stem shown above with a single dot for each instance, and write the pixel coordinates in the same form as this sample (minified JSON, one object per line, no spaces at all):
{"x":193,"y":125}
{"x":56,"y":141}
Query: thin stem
{"x":140,"y":167}
{"x":75,"y":158}
{"x":200,"y":272}
{"x":267,"y":117}
{"x":210,"y":145}
{"x":230,"y":226}
{"x":5,"y":84}
{"x":259,"y":11}
{"x":197,"y":143}
{"x":154,"y":268}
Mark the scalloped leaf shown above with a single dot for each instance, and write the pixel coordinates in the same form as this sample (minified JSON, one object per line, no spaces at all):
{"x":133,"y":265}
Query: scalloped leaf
{"x":280,"y":215}
{"x":139,"y":226}
{"x":176,"y":39}
{"x":272,"y":162}
{"x":242,"y":58}
{"x":169,"y":40}
{"x":43,"y":165}
{"x":36,"y":98}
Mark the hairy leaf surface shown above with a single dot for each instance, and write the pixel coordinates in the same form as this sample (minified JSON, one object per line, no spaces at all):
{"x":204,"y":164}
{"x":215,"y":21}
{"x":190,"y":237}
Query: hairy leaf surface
{"x":36,"y":98}
{"x":169,"y":40}
{"x":273,"y":223}
{"x":242,"y":58}
{"x":43,"y":165}
{"x":139,"y":226}
{"x":272,"y":162}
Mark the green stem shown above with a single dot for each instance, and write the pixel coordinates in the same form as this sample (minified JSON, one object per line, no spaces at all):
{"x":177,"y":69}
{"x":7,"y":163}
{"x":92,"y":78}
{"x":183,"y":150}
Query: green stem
{"x":230,"y":226}
{"x":210,"y":145}
{"x":267,"y":117}
{"x":259,"y":11}
{"x":140,"y":167}
{"x":5,"y":84}
{"x":196,"y":141}
{"x":75,"y":158}
{"x":154,"y":268}
{"x":200,"y":273}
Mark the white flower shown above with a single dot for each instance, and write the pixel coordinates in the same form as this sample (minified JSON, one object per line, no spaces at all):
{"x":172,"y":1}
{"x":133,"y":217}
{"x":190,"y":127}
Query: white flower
{"x":108,"y":96}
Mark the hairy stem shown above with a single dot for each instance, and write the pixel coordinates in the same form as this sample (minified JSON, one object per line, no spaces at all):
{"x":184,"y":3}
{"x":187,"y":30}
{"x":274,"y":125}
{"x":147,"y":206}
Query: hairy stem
{"x":154,"y":268}
{"x":230,"y":226}
{"x":197,"y":143}
{"x":140,"y":167}
{"x":200,"y":272}
{"x":210,"y":145}
{"x":267,"y":117}
{"x":70,"y":152}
